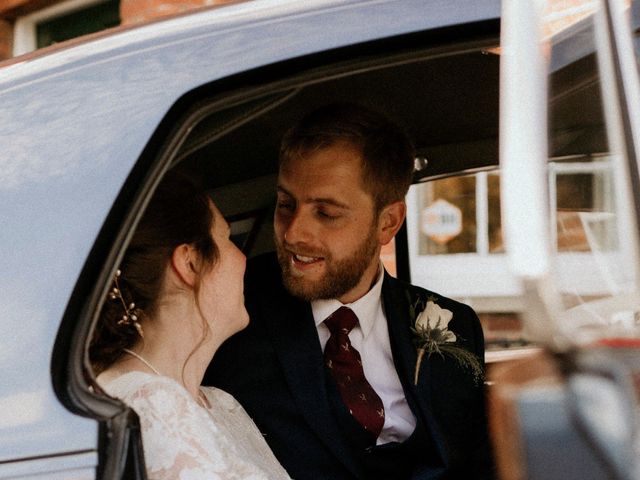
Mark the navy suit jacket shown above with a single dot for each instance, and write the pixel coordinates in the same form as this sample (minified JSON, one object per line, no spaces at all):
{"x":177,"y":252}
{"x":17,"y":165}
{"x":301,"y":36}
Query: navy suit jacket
{"x":275,"y":369}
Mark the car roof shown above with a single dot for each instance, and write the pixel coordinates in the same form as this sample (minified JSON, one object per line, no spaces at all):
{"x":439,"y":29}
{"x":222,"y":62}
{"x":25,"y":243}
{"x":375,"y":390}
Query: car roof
{"x":355,"y":19}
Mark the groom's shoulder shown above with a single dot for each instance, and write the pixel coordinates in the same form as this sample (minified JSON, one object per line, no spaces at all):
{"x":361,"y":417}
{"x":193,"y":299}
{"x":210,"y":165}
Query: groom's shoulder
{"x":415,"y":292}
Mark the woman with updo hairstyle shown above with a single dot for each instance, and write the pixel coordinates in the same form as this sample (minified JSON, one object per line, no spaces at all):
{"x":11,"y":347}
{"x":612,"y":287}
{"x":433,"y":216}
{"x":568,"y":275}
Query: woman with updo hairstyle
{"x":176,"y":297}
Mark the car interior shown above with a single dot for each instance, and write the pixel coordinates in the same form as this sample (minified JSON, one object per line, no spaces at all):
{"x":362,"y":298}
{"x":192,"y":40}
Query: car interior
{"x":445,"y":97}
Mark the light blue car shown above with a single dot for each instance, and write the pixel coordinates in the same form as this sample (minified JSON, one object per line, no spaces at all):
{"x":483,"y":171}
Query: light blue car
{"x":540,"y":114}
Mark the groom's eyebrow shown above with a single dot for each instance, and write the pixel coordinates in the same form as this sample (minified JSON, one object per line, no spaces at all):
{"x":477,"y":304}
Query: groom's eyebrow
{"x":329,"y":201}
{"x":323,"y":200}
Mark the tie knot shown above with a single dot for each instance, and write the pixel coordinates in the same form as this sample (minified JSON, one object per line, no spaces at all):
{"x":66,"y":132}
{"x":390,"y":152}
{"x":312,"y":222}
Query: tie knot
{"x":341,"y":321}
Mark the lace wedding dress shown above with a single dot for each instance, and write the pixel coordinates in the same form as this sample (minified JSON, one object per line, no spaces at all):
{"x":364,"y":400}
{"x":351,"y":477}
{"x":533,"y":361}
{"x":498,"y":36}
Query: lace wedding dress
{"x":185,"y":441}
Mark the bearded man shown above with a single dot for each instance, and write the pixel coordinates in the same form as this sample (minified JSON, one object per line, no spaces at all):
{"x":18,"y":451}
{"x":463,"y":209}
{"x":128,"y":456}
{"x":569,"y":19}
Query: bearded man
{"x":347,"y":371}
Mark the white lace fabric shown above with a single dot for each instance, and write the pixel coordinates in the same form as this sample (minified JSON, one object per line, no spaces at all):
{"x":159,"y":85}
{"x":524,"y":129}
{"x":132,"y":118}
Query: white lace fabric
{"x":184,"y":441}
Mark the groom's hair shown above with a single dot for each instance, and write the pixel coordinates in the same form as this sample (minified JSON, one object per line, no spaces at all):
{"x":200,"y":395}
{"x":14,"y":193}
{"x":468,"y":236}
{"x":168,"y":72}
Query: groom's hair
{"x":386,"y":151}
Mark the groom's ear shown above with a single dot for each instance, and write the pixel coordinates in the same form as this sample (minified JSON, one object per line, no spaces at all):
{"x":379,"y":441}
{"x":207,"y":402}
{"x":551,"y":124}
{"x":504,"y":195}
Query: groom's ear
{"x":390,"y":220}
{"x":184,"y":264}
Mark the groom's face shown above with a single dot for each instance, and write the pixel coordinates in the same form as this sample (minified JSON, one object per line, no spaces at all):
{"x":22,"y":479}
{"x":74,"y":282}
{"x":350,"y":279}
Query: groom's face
{"x":326,"y":229}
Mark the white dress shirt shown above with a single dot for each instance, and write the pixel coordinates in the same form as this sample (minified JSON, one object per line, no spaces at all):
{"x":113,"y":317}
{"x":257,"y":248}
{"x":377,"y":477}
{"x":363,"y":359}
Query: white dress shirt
{"x":371,"y":338}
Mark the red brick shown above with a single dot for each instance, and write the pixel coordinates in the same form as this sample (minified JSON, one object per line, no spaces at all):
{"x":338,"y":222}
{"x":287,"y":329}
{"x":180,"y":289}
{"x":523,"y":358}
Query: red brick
{"x":10,"y":9}
{"x":6,"y":39}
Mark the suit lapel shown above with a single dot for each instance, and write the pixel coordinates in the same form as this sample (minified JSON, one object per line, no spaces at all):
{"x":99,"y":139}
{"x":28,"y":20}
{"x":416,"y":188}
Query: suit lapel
{"x":396,"y":307}
{"x":295,"y":339}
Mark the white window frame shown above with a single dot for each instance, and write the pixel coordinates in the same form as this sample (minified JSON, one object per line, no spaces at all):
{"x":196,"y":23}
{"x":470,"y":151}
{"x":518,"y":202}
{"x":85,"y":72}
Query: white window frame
{"x":24,"y":31}
{"x":556,"y":168}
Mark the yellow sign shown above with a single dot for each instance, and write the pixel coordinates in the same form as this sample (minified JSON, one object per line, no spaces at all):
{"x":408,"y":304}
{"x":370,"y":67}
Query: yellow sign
{"x":441,"y":221}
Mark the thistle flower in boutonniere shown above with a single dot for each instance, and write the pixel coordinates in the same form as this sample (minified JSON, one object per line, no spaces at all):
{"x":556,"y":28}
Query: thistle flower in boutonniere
{"x":430,"y":327}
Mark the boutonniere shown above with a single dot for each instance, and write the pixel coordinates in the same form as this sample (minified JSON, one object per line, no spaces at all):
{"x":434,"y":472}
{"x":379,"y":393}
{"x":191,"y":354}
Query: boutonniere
{"x":430,"y":324}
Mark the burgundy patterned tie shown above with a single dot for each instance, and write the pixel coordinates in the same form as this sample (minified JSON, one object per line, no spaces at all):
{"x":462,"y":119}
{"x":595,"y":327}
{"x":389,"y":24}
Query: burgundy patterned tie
{"x":346,"y":368}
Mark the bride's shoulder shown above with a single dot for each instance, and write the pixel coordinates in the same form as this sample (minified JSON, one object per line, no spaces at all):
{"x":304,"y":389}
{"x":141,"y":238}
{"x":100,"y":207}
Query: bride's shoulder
{"x":134,"y":384}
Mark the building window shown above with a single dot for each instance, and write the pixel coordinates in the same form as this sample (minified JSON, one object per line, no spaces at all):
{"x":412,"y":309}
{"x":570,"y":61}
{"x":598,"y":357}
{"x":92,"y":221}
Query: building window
{"x":448,"y":216}
{"x":585,"y":214}
{"x":64,"y":21}
{"x":462,"y":214}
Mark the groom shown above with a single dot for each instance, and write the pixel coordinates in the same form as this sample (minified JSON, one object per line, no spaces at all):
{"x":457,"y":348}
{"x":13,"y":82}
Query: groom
{"x":328,"y":367}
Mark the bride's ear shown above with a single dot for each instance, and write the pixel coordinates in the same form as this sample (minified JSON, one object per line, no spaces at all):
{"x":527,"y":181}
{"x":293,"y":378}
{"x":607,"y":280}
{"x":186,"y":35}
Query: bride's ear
{"x":183,"y":262}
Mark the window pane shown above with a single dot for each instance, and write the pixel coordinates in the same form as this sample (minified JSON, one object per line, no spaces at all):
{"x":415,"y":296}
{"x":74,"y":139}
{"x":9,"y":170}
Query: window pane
{"x":585,"y":216}
{"x":496,"y":245}
{"x":447,"y":210}
{"x":82,"y":22}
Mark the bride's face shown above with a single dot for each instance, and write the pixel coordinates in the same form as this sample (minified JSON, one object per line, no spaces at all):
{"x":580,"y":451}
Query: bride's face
{"x":221,"y":295}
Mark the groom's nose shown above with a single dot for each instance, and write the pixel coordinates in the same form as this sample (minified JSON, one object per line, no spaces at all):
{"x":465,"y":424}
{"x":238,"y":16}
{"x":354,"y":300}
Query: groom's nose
{"x":299,"y":228}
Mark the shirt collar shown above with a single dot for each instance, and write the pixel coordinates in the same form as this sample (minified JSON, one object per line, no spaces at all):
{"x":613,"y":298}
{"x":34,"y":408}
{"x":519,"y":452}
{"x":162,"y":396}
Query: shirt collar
{"x":365,"y":307}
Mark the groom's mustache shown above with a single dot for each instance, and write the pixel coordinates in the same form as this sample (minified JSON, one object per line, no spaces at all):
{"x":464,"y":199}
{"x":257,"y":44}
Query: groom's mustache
{"x":302,"y":250}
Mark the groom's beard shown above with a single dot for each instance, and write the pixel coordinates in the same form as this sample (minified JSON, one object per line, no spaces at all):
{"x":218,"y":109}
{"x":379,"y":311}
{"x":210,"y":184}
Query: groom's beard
{"x":340,"y":276}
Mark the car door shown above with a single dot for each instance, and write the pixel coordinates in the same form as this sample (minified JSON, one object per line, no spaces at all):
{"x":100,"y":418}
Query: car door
{"x":569,"y":166}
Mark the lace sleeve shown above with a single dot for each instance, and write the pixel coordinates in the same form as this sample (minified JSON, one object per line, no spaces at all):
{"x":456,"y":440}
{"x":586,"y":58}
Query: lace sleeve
{"x":181,"y":441}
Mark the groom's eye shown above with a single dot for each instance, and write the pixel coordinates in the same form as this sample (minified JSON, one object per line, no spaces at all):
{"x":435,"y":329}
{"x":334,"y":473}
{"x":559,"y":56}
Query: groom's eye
{"x":285,"y":205}
{"x":327,"y":215}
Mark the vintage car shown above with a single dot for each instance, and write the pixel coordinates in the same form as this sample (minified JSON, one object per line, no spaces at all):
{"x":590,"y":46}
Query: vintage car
{"x":532,"y":109}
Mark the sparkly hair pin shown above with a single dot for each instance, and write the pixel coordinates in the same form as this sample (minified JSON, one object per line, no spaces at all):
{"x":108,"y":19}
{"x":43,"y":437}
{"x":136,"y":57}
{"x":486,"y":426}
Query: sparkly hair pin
{"x":131,"y":313}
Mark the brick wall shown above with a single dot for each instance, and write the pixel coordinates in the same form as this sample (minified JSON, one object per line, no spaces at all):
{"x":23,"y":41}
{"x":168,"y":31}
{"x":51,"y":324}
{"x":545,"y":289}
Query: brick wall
{"x":131,"y":12}
{"x":136,"y":11}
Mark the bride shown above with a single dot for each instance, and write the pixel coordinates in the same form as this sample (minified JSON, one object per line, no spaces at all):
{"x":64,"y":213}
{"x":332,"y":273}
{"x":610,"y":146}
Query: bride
{"x":177,"y":296}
